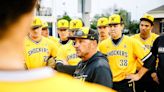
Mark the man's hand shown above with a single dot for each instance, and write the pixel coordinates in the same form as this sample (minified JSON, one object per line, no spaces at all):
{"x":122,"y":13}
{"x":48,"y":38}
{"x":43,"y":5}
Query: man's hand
{"x":136,"y":77}
{"x":51,"y":62}
{"x":133,"y":77}
{"x":155,"y":77}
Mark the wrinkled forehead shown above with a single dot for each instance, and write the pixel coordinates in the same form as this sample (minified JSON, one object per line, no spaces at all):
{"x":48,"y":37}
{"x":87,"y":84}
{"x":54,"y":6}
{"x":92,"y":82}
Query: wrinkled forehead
{"x":82,"y":40}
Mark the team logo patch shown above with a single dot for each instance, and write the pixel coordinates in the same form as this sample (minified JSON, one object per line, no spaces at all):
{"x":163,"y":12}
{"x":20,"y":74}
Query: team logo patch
{"x":124,"y":46}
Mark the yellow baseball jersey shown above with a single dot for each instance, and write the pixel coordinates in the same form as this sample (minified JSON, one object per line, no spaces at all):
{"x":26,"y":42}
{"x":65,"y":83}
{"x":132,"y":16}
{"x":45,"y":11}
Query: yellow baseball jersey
{"x":37,"y":54}
{"x":44,"y":80}
{"x":147,"y":42}
{"x":68,"y":53}
{"x":55,"y":40}
{"x":122,"y":57}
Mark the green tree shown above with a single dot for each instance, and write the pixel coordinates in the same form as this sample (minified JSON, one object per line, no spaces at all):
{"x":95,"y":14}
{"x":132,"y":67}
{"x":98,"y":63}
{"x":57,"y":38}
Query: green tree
{"x":126,"y":17}
{"x":65,"y":16}
{"x":133,"y":27}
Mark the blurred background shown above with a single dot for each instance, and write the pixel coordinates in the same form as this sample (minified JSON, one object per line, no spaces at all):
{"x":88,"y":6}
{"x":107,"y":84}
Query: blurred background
{"x":90,"y":10}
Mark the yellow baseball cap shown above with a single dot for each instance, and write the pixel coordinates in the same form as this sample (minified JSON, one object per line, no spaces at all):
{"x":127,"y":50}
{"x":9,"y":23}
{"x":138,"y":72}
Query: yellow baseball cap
{"x":148,"y":17}
{"x":63,"y":23}
{"x":37,"y":22}
{"x":102,"y":22}
{"x":75,"y":24}
{"x":45,"y":24}
{"x":115,"y":19}
{"x":85,"y":33}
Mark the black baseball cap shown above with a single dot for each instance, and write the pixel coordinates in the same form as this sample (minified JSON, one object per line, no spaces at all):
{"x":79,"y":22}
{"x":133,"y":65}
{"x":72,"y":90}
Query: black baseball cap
{"x":85,"y":33}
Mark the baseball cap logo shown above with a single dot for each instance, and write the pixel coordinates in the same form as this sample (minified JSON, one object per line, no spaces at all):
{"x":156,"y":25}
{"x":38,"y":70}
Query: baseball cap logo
{"x":74,"y":24}
{"x":102,"y":21}
{"x":62,"y":23}
{"x":148,"y":17}
{"x":113,"y":18}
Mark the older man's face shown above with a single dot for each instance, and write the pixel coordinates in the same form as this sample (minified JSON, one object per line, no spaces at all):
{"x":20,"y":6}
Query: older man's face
{"x":83,"y":47}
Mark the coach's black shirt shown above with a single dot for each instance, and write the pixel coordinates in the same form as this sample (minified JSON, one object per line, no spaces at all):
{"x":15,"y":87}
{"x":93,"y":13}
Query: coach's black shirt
{"x":158,"y":52}
{"x":95,"y":70}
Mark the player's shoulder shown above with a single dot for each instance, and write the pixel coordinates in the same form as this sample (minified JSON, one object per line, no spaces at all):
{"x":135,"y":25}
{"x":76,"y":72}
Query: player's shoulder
{"x":105,"y":42}
{"x":54,"y":38}
{"x":154,"y":35}
{"x":47,"y":40}
{"x":129,"y":39}
{"x":135,"y":35}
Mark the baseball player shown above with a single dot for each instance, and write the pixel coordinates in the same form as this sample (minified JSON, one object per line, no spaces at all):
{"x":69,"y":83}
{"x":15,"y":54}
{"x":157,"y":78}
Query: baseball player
{"x":45,"y":33}
{"x":66,"y":51}
{"x":13,"y":78}
{"x":38,"y":49}
{"x":102,"y":26}
{"x":147,"y":38}
{"x":157,"y":51}
{"x":121,"y":52}
{"x":75,"y":24}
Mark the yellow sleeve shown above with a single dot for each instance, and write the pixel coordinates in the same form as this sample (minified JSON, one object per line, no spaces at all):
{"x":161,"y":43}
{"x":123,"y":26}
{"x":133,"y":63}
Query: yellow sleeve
{"x":53,"y":49}
{"x":60,"y":54}
{"x":101,"y":47}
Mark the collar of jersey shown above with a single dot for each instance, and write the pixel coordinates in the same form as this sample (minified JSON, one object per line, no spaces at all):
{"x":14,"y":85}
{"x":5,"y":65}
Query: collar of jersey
{"x":35,"y":41}
{"x":118,"y":41}
{"x":26,"y":75}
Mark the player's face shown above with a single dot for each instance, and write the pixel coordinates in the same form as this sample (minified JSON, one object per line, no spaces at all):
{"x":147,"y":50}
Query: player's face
{"x":115,"y":30}
{"x":83,"y":47}
{"x":35,"y":33}
{"x":63,"y":33}
{"x":103,"y":32}
{"x":45,"y":32}
{"x":145,"y":27}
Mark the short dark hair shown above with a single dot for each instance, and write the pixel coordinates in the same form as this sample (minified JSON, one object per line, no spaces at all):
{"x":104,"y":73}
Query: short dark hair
{"x":144,"y":19}
{"x":12,"y":10}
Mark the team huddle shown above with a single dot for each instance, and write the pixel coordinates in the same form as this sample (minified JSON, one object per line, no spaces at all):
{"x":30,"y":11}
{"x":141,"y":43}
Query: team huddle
{"x":79,"y":59}
{"x":123,"y":53}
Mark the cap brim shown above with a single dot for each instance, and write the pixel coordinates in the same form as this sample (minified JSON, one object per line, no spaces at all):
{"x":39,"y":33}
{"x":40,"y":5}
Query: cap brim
{"x":146,"y":20}
{"x":73,"y":37}
{"x":102,"y":25}
{"x":114,"y":23}
{"x":63,"y":28}
{"x":37,"y":26}
{"x":45,"y":27}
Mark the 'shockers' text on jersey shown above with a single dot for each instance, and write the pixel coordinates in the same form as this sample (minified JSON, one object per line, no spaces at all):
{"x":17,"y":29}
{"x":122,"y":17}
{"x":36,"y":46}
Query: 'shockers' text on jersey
{"x":37,"y":50}
{"x":117,"y":52}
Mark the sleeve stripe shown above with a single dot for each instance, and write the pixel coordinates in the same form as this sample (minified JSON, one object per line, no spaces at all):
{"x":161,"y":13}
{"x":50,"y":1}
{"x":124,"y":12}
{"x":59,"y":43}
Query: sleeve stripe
{"x":59,"y":61}
{"x":146,"y":57}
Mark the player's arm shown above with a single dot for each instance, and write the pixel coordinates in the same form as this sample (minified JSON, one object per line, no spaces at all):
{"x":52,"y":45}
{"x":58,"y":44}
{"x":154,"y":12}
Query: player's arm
{"x":54,"y":49}
{"x":65,"y":68}
{"x":148,"y":61}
